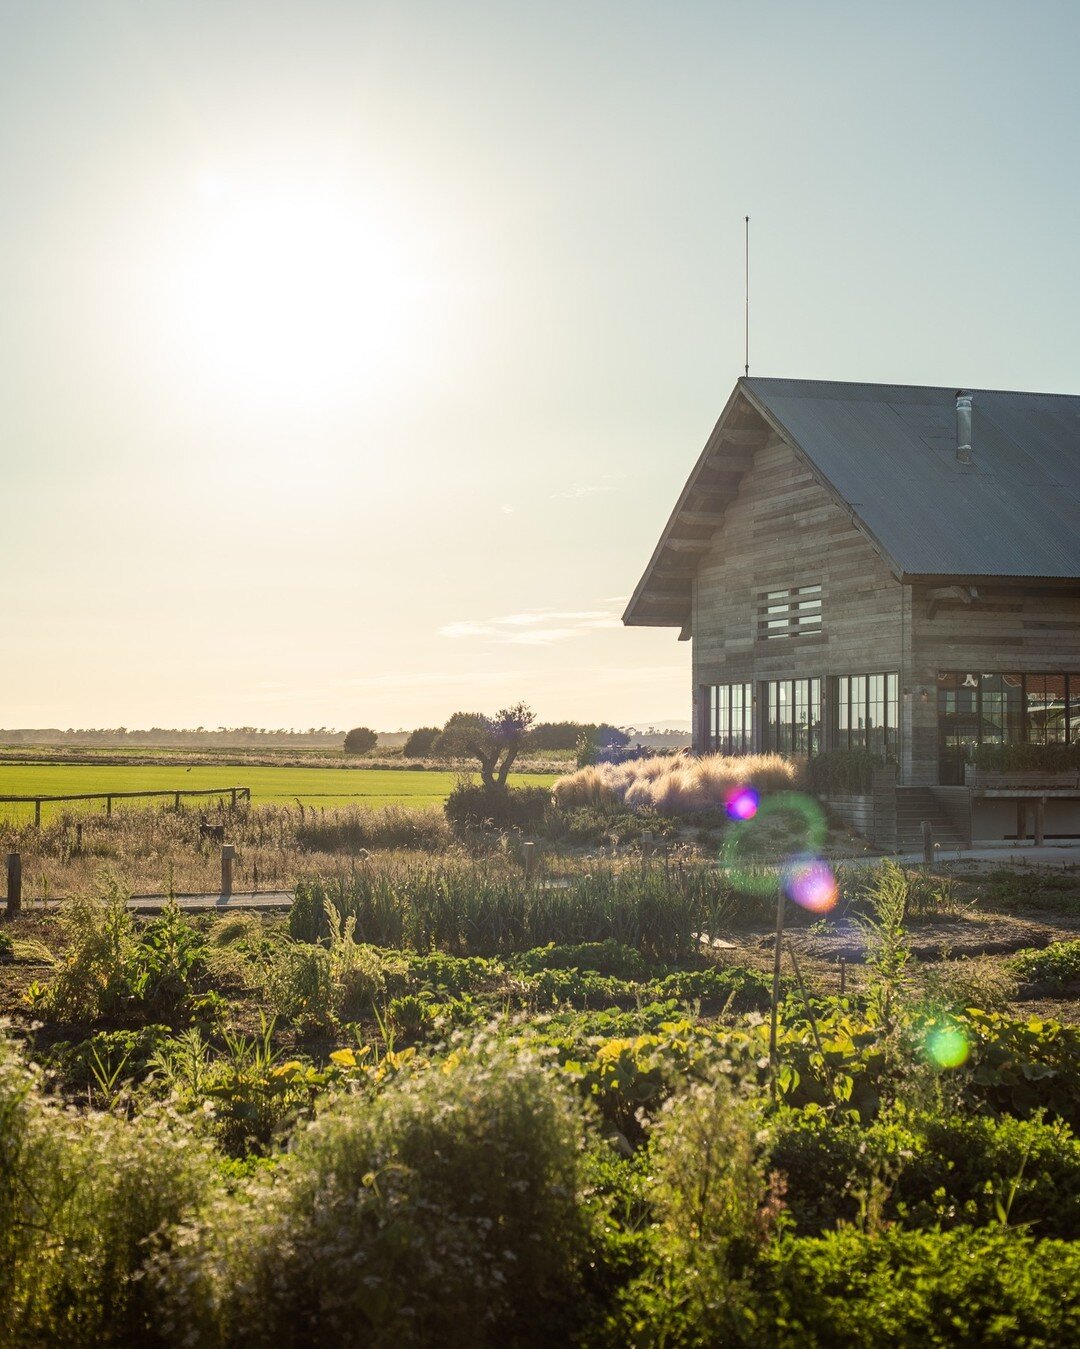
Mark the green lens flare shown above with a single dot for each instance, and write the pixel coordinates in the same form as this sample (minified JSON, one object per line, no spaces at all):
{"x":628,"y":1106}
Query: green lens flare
{"x":746,"y":841}
{"x":947,"y":1046}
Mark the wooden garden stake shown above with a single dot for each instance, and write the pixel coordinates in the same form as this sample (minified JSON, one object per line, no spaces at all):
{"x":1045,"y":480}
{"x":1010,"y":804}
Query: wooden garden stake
{"x":777,"y":953}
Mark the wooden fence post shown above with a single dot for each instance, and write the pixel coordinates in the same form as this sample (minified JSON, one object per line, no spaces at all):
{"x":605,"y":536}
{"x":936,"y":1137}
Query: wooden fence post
{"x":529,"y":853}
{"x":37,"y":812}
{"x":927,"y":843}
{"x":14,"y":884}
{"x":228,"y":856}
{"x":1040,"y":820}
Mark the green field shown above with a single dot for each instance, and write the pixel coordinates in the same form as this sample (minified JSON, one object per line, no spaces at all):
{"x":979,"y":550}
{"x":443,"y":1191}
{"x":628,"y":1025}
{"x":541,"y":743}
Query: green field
{"x":312,"y":786}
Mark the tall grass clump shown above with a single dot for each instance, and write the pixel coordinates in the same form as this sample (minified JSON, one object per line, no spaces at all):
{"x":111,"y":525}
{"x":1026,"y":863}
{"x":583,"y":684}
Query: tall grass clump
{"x":674,"y":786}
{"x":444,"y":1211}
{"x":354,"y":829}
{"x":467,"y":908}
{"x":87,"y":1202}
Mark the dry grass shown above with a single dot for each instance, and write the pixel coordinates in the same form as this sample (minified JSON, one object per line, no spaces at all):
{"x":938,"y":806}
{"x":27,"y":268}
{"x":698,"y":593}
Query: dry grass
{"x":674,"y":786}
{"x":155,"y":851}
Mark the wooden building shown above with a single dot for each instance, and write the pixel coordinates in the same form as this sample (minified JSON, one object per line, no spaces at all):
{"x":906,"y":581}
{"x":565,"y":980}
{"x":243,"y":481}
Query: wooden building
{"x":883,"y":567}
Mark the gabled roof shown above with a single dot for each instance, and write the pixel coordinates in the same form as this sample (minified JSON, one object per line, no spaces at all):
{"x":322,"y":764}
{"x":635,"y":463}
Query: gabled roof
{"x":887,"y":454}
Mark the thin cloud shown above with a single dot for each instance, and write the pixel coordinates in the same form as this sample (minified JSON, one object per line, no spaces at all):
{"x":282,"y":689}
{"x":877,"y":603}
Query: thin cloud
{"x":532,"y":627}
{"x":585,"y":489}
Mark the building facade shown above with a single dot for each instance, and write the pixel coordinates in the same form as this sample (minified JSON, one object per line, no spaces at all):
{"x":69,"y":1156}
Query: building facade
{"x":879,"y":567}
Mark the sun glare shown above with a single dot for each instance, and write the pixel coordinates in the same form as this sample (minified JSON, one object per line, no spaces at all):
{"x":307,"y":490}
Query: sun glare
{"x":293,"y":296}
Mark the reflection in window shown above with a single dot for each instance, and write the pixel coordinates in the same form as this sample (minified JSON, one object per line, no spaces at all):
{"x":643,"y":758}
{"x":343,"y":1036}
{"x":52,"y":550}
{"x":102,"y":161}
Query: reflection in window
{"x":868,"y":713}
{"x":792,"y":716}
{"x":1007,"y":709}
{"x":730,"y":719}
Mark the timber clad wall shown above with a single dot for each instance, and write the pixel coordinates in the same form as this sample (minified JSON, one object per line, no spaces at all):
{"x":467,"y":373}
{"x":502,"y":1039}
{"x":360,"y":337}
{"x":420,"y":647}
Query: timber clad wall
{"x":782,"y":529}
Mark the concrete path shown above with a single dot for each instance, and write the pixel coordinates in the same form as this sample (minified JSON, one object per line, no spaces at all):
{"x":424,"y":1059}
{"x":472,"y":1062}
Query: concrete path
{"x":261,"y":899}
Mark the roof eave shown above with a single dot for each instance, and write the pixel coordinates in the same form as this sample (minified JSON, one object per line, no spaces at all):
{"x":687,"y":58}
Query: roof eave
{"x":636,"y":614}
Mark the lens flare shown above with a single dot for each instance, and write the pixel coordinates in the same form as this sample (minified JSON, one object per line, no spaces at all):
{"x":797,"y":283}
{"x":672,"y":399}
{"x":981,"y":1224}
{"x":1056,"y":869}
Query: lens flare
{"x":741,"y":803}
{"x":947,"y":1045}
{"x":782,"y":820}
{"x":810,"y":882}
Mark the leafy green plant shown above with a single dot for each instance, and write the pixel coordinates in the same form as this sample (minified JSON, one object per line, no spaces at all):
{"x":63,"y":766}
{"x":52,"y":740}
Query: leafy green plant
{"x":1028,"y":758}
{"x":1054,"y":969}
{"x":443,"y":1210}
{"x":888,"y":952}
{"x":969,"y":1287}
{"x":474,"y":807}
{"x":841,"y":772}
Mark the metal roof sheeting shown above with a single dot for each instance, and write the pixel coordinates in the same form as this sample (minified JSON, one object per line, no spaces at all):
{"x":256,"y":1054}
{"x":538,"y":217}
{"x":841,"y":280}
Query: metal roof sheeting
{"x":889,"y":451}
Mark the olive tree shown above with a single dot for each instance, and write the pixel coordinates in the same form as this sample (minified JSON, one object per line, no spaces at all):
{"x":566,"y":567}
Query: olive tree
{"x":494,"y":742}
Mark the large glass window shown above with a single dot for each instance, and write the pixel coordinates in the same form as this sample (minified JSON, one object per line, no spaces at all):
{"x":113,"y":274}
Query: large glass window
{"x":792,"y":716}
{"x":1003,"y":709}
{"x":868,"y":713}
{"x":730,"y":719}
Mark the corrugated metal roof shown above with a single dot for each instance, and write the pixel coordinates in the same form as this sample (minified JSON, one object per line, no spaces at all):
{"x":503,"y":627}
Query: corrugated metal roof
{"x":890,"y":452}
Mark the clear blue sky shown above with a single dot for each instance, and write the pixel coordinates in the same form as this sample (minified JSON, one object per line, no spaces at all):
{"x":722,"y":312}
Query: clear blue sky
{"x":352,"y":355}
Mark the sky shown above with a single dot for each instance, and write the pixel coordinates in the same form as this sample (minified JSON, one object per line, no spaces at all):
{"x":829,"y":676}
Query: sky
{"x":352,"y":355}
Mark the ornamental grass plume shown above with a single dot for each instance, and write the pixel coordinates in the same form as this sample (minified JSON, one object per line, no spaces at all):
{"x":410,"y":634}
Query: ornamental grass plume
{"x":676,"y":785}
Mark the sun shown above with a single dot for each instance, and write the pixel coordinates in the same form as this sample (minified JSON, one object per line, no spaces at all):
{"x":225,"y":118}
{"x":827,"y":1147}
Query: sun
{"x":294,"y":295}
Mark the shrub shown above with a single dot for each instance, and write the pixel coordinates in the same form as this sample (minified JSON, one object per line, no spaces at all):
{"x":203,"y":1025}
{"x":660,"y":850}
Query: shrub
{"x":420,"y":742}
{"x":319,"y":986}
{"x":595,"y":743}
{"x":1028,"y":758}
{"x":839,"y":772}
{"x":97,"y":973}
{"x":915,"y":1289}
{"x":1054,"y":969}
{"x":360,"y":740}
{"x":607,"y":957}
{"x":85,"y":1200}
{"x":470,"y":807}
{"x":443,"y":1211}
{"x":714,"y":1208}
{"x":929,"y":1169}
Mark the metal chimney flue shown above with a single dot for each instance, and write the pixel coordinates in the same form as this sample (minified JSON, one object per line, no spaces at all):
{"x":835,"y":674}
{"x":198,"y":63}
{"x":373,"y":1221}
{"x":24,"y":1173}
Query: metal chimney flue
{"x":963,"y":427}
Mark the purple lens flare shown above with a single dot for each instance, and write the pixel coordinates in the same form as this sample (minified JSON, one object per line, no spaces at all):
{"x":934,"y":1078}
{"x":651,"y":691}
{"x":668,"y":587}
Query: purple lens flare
{"x":741,"y":803}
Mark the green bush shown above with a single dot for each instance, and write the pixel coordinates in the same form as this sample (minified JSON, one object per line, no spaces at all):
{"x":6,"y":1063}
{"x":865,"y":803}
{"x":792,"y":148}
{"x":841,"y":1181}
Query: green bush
{"x":1052,"y":758}
{"x":471,"y":806}
{"x":714,"y":1209}
{"x":606,"y":957}
{"x":842,"y":772}
{"x":360,"y":740}
{"x":112,"y":970}
{"x":977,"y":1289}
{"x":443,"y":1211}
{"x":86,"y":1201}
{"x":1054,"y":969}
{"x":929,"y":1170}
{"x":420,"y":742}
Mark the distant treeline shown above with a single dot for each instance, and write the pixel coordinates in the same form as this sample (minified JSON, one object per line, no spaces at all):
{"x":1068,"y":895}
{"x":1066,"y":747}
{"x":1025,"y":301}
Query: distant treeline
{"x":547,"y":735}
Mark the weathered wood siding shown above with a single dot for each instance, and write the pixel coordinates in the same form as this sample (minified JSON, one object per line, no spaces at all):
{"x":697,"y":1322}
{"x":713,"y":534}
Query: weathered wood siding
{"x":782,"y":530}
